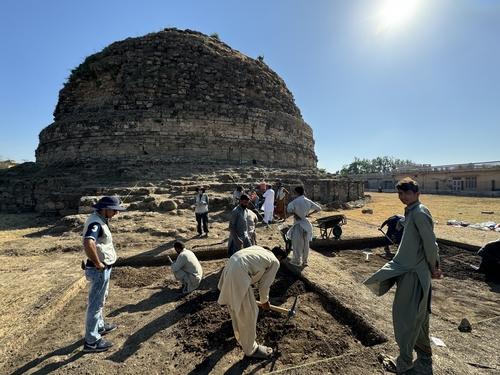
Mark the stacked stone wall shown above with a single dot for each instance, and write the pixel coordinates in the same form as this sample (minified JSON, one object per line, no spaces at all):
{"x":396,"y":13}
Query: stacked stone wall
{"x":176,"y":96}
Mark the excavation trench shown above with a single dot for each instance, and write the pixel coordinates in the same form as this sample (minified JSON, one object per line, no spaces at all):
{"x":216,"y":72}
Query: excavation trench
{"x":287,"y":285}
{"x":322,"y":327}
{"x":161,"y":330}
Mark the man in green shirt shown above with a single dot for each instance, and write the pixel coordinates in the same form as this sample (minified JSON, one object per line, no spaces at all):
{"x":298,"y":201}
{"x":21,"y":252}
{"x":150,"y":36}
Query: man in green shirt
{"x":411,"y":269}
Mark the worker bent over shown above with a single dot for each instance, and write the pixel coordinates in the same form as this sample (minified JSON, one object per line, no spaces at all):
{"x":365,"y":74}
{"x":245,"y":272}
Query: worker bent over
{"x":253,"y":265}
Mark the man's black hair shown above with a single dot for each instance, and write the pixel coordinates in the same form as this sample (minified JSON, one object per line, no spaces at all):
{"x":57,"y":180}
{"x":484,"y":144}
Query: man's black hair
{"x":299,"y":190}
{"x":279,"y":252}
{"x":408,"y":184}
{"x":244,"y":197}
{"x":179,"y":245}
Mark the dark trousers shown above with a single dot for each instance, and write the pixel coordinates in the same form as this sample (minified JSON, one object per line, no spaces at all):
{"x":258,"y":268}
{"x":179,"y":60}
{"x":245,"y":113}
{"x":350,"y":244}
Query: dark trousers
{"x":202,"y":218}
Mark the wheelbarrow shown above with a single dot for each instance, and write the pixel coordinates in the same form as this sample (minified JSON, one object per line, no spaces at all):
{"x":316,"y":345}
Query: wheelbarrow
{"x":331,"y":226}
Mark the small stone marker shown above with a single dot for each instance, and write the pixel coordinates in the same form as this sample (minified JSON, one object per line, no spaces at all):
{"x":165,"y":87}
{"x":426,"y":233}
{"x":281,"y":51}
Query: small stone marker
{"x":464,"y":326}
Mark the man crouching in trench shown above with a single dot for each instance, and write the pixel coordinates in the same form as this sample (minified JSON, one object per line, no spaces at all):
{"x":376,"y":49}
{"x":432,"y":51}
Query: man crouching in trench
{"x":253,"y":265}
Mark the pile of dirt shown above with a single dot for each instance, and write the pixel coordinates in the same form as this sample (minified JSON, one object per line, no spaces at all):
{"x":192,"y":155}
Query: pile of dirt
{"x":207,"y":327}
{"x":311,"y":334}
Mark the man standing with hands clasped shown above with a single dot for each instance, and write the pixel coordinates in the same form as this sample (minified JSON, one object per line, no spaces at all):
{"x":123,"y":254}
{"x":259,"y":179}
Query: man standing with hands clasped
{"x":201,"y":210}
{"x":101,"y":254}
{"x":411,"y":269}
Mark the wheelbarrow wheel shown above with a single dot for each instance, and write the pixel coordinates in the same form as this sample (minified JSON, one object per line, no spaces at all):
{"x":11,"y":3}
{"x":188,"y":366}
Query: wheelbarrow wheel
{"x":337,"y":232}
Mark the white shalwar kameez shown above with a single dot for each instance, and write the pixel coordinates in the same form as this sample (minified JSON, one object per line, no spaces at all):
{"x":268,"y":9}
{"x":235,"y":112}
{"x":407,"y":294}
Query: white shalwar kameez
{"x":268,"y":206}
{"x":187,"y":269}
{"x":301,"y":232}
{"x":252,"y":265}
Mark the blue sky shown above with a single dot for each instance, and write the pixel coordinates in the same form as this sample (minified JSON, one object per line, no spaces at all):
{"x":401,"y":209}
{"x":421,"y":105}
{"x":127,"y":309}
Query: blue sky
{"x":425,"y":89}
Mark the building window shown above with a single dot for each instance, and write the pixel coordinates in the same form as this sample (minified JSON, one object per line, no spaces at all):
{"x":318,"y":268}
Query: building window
{"x":470,"y":183}
{"x":457,"y":184}
{"x":437,"y":185}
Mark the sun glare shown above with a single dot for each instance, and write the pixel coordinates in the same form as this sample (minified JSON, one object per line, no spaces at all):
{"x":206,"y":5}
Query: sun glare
{"x":396,"y":13}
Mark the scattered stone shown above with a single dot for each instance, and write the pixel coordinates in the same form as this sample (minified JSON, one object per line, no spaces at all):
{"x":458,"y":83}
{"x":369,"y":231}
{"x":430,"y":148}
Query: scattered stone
{"x":167,"y":205}
{"x":367,"y":211}
{"x":465,"y":326}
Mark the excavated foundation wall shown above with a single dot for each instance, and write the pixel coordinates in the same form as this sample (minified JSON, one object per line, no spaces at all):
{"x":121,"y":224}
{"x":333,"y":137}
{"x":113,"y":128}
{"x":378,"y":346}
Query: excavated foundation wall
{"x":30,"y":188}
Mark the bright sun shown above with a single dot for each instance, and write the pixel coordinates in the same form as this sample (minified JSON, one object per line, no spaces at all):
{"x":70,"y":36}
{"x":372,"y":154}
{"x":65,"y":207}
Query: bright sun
{"x":396,"y":13}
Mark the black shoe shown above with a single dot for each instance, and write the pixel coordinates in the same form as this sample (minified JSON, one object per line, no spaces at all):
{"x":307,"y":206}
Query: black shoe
{"x":99,"y":346}
{"x":108,"y":327}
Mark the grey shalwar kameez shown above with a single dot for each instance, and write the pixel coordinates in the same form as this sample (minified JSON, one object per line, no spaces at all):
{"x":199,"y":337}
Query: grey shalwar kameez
{"x":410,"y":270}
{"x":238,"y":230}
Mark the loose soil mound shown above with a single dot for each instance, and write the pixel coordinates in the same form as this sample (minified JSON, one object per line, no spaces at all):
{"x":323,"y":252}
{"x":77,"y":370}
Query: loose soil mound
{"x":311,"y":334}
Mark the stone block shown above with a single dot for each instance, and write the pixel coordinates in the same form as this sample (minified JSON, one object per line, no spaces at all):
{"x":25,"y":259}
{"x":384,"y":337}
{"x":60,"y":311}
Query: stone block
{"x":167,"y":205}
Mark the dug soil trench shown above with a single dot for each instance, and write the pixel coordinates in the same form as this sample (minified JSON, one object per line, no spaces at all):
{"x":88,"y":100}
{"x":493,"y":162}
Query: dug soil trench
{"x":161,"y":331}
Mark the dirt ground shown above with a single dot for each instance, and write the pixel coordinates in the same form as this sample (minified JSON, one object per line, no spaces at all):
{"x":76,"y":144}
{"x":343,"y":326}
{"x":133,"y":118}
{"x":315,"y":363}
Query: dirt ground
{"x":164,"y":332}
{"x":44,"y":297}
{"x":461,"y":293}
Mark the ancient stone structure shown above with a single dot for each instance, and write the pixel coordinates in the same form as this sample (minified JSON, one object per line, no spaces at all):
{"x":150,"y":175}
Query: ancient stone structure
{"x":175,"y":97}
{"x":151,"y":118}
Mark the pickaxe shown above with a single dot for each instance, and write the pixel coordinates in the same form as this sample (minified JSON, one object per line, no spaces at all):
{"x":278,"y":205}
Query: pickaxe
{"x":290,"y":312}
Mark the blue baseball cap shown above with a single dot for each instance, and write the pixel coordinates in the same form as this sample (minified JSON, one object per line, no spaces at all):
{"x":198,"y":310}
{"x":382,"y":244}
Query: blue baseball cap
{"x":113,"y":203}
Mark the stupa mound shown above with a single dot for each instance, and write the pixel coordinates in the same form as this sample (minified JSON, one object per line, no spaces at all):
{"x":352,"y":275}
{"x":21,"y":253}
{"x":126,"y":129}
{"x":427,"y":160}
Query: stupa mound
{"x":175,"y":97}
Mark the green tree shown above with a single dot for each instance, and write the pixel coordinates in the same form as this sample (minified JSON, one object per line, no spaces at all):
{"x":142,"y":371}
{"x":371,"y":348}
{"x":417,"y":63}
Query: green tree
{"x":380,"y":164}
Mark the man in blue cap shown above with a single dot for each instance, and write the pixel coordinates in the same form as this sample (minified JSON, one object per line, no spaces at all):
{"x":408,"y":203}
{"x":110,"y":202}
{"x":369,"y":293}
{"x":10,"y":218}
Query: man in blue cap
{"x":101,"y":255}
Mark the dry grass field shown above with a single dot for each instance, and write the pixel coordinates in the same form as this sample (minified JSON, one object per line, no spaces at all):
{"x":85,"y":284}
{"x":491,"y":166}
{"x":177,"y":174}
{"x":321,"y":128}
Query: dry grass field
{"x":442,"y":207}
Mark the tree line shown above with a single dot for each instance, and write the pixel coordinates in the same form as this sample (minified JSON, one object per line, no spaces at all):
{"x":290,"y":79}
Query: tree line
{"x":380,"y":164}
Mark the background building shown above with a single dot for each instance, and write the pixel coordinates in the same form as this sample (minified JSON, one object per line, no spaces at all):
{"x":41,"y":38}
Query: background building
{"x":474,"y":179}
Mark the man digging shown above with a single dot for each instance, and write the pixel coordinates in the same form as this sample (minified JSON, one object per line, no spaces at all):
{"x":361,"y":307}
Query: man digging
{"x":253,"y":265}
{"x":411,"y":269}
{"x":101,"y":254}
